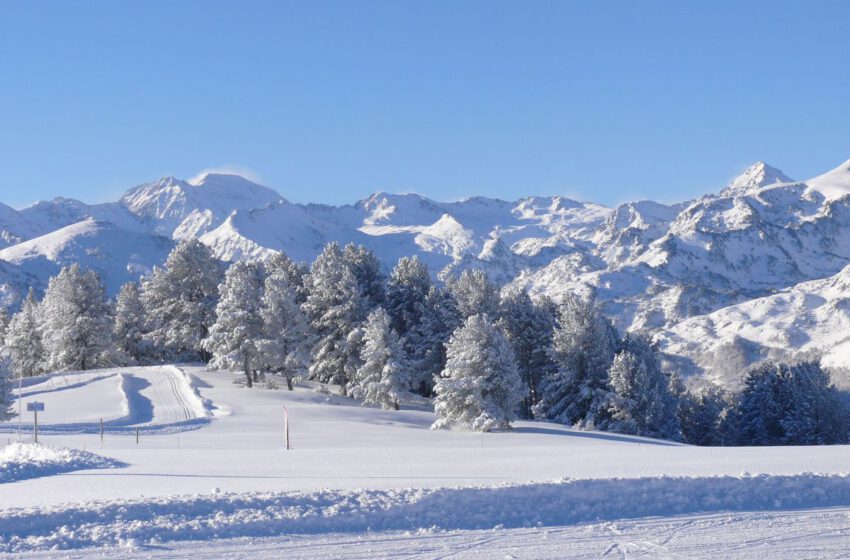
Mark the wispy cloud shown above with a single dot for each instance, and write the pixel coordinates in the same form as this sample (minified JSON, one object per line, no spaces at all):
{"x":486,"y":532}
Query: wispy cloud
{"x":240,"y":170}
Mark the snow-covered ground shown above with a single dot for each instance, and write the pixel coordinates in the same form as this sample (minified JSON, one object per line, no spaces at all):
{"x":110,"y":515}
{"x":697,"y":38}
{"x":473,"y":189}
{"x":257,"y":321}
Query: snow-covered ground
{"x":211,"y":464}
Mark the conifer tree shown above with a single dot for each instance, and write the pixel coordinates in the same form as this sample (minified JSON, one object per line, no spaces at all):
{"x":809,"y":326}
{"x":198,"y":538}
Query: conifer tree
{"x":335,"y":309}
{"x":23,"y":342}
{"x":76,"y":325}
{"x":379,"y":380}
{"x":284,"y":346}
{"x":474,"y":293}
{"x":180,"y":300}
{"x":529,"y":329}
{"x":641,"y":402}
{"x":480,"y":388}
{"x":232,"y":339}
{"x":576,"y":392}
{"x":366,"y":268}
{"x":294,"y":273}
{"x":428,"y":340}
{"x":129,"y":326}
{"x":785,"y":404}
{"x":702,"y":415}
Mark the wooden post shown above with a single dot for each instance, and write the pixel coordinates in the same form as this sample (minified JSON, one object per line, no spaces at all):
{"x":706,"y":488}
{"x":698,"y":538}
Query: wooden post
{"x":35,"y":426}
{"x":137,"y":435}
{"x":286,"y":426}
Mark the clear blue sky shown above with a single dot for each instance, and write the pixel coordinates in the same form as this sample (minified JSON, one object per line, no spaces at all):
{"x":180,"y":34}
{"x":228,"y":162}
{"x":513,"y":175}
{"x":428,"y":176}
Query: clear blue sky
{"x":330,"y":101}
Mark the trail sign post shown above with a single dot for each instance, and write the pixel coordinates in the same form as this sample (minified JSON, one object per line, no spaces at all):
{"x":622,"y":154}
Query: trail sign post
{"x":35,"y":407}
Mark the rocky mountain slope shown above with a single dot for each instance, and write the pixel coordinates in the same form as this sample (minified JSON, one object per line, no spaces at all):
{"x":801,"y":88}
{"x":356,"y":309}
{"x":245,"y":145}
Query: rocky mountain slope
{"x":700,"y":273}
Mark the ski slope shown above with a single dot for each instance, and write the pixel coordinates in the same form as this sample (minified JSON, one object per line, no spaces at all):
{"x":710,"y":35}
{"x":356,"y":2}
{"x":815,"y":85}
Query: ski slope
{"x":211,"y":464}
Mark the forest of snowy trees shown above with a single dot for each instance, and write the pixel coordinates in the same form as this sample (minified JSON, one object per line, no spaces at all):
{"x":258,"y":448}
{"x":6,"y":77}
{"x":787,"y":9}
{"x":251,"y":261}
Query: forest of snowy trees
{"x":485,"y":358}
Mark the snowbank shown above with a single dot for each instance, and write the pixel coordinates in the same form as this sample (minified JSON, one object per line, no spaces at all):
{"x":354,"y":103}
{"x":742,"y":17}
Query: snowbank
{"x":216,"y":516}
{"x":19,"y":461}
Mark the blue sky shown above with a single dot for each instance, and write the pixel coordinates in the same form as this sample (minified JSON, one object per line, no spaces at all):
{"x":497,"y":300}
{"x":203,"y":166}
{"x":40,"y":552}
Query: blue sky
{"x":330,"y":101}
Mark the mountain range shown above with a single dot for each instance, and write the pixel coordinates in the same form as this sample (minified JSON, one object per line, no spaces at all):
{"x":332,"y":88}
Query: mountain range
{"x":759,"y":269}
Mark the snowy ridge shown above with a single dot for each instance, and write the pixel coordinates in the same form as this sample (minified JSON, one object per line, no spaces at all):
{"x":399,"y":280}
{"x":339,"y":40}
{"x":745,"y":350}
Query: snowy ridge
{"x":218,"y":516}
{"x":649,"y":265}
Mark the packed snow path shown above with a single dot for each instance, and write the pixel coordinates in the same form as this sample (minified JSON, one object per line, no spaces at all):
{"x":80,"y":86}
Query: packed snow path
{"x":151,"y":398}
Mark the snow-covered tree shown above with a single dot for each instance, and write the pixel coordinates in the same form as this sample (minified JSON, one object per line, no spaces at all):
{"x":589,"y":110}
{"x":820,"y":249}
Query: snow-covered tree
{"x":380,"y":380}
{"x":293,"y":272}
{"x":76,"y":325}
{"x":180,"y":300}
{"x":583,"y":347}
{"x":427,"y":341}
{"x":129,"y":326}
{"x":785,"y":404}
{"x":641,"y":402}
{"x":284,"y":345}
{"x":335,"y":309}
{"x":480,"y":388}
{"x":366,"y":268}
{"x":23,"y":343}
{"x":407,"y":292}
{"x":474,"y":293}
{"x":4,"y":325}
{"x":702,"y":415}
{"x":232,"y":339}
{"x":529,"y":329}
{"x":6,"y":380}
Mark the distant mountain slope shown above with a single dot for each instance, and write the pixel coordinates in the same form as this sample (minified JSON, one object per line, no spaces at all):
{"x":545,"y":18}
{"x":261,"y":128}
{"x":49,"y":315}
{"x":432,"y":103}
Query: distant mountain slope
{"x":116,"y":254}
{"x":810,"y":320}
{"x":667,"y":268}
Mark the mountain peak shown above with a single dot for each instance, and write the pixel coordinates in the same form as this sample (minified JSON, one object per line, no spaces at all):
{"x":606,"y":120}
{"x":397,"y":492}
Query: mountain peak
{"x":755,"y":177}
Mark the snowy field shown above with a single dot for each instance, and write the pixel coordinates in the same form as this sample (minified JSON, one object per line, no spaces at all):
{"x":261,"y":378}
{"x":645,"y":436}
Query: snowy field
{"x":210,"y":477}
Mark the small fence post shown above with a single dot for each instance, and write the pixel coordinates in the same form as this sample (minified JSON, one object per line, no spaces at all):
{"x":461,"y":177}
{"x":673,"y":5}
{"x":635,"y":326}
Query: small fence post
{"x":286,"y":426}
{"x":137,"y":435}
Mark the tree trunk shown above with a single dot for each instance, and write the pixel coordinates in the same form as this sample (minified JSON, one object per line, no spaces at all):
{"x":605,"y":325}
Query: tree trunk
{"x":256,"y":376}
{"x":246,"y":365}
{"x":395,"y":406}
{"x":289,"y":383}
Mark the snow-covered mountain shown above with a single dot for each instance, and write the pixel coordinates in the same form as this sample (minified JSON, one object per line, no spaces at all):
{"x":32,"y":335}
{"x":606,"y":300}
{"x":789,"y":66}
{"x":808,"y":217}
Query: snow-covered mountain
{"x":674,"y":269}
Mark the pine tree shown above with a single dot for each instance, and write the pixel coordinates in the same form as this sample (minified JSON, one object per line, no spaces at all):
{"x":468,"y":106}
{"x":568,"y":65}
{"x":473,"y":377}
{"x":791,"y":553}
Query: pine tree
{"x":380,"y":379}
{"x":641,"y":402}
{"x":232,"y":339}
{"x":294,"y":273}
{"x":335,"y":309}
{"x":23,"y":343}
{"x":428,"y":339}
{"x":702,"y":415}
{"x":407,"y":293}
{"x":785,"y":404}
{"x":76,"y":325}
{"x":129,"y":327}
{"x":480,"y":387}
{"x":529,"y":329}
{"x":4,"y":326}
{"x":284,"y":346}
{"x":180,"y":301}
{"x":366,"y":268}
{"x":474,"y":293}
{"x":583,"y":348}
